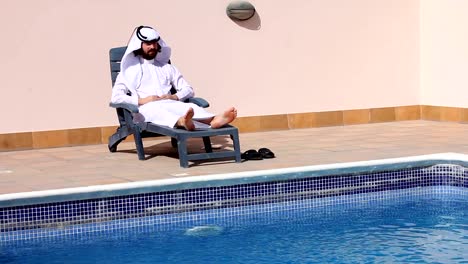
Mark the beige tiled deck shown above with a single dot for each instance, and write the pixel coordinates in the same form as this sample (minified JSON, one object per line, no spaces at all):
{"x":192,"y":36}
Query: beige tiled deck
{"x":44,"y":169}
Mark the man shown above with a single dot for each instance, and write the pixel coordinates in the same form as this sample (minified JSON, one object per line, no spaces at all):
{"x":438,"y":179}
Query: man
{"x":146,"y":78}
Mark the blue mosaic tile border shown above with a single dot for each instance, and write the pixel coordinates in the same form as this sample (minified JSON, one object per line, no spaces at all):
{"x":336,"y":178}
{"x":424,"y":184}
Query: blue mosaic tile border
{"x":71,"y":217}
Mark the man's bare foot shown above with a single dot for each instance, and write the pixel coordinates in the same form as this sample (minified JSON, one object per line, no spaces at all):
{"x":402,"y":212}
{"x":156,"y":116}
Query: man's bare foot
{"x":227,"y":117}
{"x":186,"y":120}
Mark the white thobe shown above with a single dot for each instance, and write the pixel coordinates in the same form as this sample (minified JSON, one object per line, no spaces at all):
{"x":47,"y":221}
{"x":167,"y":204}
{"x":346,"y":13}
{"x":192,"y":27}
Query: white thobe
{"x":157,"y":79}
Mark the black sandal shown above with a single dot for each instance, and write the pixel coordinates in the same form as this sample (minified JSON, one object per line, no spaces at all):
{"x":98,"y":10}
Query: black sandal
{"x":266,"y":153}
{"x":251,"y":154}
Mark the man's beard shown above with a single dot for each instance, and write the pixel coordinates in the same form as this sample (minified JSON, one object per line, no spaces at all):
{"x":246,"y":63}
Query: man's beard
{"x":151,"y":54}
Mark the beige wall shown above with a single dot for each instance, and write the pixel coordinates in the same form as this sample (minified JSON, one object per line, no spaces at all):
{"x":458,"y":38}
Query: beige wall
{"x":308,"y":56}
{"x":444,"y":53}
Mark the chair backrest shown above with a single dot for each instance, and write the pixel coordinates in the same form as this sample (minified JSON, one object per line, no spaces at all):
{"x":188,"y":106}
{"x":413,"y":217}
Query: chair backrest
{"x":115,"y":56}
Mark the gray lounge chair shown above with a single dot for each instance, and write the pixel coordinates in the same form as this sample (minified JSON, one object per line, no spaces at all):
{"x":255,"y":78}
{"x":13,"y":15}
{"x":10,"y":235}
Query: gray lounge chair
{"x":178,"y":136}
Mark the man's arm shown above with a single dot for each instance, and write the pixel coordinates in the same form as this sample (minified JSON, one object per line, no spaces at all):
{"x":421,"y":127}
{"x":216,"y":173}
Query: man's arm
{"x":184,"y":90}
{"x":120,"y":93}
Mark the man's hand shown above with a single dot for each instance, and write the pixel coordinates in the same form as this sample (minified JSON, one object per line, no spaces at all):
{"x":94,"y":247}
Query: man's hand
{"x":145,"y":100}
{"x":169,"y":97}
{"x":151,"y":98}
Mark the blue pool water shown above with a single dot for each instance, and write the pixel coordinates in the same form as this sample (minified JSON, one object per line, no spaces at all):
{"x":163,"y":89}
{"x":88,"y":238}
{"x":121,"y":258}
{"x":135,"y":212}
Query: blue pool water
{"x":416,"y":229}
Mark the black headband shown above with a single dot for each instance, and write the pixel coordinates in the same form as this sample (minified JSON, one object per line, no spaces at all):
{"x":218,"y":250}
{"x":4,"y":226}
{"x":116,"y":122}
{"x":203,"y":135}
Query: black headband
{"x":144,"y":38}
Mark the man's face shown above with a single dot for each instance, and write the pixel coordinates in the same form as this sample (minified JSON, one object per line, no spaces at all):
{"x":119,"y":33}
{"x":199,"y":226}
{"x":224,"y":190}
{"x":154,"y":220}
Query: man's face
{"x":149,"y":49}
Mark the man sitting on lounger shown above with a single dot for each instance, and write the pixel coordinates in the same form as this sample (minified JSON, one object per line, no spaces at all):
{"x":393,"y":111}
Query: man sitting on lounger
{"x":146,"y":79}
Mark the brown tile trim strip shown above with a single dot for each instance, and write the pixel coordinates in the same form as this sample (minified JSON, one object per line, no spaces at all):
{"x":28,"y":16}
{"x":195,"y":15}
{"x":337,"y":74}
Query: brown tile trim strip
{"x":99,"y":135}
{"x":16,"y":141}
{"x":444,"y":114}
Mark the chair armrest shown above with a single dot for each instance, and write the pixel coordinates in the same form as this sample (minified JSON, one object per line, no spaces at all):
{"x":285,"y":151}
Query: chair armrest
{"x":129,"y":107}
{"x":198,"y":101}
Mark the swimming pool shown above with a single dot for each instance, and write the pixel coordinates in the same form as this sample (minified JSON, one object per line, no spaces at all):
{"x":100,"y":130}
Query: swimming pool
{"x":211,"y":204}
{"x":427,"y":226}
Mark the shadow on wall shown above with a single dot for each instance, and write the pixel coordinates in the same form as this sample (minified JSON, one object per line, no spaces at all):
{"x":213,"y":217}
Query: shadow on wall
{"x":253,"y":23}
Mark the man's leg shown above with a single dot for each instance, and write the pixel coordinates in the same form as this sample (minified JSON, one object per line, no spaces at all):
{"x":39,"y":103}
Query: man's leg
{"x":161,"y":114}
{"x":222,"y":119}
{"x":200,"y":114}
{"x":186,"y":121}
{"x":225,"y":118}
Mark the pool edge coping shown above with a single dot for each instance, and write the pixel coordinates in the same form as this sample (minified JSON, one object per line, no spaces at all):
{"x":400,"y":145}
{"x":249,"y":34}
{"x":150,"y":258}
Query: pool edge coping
{"x":228,"y":179}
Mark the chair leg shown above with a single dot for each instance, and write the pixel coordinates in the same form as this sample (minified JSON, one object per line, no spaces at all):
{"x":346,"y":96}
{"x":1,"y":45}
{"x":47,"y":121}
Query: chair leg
{"x":174,"y":142}
{"x":207,"y":142}
{"x":116,"y":138}
{"x":236,"y":144}
{"x":182,"y":148}
{"x":139,"y":144}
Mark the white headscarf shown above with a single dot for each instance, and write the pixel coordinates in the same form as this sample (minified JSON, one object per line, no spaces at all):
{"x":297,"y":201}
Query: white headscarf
{"x":130,"y":68}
